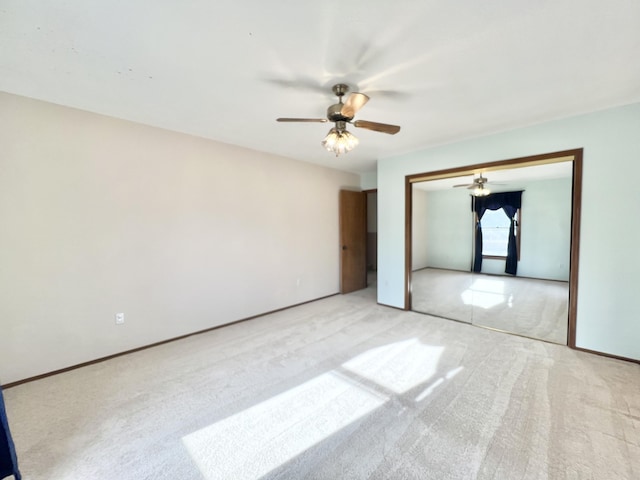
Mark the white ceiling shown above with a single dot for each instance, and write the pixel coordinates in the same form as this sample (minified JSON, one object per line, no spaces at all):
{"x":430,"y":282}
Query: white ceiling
{"x":226,"y":69}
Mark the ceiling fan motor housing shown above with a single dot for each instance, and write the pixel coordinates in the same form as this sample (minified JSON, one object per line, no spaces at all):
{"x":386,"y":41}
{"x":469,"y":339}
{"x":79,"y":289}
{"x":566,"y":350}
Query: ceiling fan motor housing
{"x":334,"y":113}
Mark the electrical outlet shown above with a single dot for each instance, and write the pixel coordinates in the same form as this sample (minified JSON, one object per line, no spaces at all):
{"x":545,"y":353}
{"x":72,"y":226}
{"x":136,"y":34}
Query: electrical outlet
{"x":119,"y":318}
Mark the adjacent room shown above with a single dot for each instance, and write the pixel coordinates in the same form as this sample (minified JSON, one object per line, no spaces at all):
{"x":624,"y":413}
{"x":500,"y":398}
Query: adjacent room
{"x":201,"y":281}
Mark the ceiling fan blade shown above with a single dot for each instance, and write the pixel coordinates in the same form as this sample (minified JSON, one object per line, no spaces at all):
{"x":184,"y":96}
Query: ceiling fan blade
{"x":464,"y":185}
{"x":377,"y":127}
{"x":355,"y":102}
{"x":320,"y":120}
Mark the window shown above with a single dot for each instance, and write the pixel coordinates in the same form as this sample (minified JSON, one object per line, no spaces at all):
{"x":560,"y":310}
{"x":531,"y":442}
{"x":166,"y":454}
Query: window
{"x":495,"y":233}
{"x":509,"y":203}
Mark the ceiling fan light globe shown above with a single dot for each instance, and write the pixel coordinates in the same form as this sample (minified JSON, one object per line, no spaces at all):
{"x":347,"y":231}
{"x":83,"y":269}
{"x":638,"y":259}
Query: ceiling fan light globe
{"x":339,"y":141}
{"x":330,"y":140}
{"x":480,"y":191}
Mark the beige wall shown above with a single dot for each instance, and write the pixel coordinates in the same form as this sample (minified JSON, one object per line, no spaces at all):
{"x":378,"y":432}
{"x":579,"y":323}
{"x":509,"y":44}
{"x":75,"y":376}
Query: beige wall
{"x":100,"y":216}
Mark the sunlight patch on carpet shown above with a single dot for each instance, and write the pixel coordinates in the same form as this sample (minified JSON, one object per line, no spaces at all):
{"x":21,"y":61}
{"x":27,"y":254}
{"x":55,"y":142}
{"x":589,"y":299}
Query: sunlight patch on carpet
{"x":429,"y":390}
{"x":398,"y":366}
{"x":251,"y":443}
{"x":485,"y":293}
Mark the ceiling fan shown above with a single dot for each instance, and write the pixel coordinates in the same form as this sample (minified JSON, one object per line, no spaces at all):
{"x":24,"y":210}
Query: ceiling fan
{"x":339,"y":140}
{"x":479,"y":186}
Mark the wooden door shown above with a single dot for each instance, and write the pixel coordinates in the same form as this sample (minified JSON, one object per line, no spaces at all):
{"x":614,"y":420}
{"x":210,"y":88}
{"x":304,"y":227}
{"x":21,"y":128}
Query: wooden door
{"x":353,"y":241}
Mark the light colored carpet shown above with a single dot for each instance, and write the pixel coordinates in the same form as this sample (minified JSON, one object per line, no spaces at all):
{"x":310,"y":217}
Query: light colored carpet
{"x":524,"y":306}
{"x":337,"y":389}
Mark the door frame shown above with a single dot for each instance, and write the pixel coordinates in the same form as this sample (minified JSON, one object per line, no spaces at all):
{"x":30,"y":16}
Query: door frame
{"x":576,"y":208}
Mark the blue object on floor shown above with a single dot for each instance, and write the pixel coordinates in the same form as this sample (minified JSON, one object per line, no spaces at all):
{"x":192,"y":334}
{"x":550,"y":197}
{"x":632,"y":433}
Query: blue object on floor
{"x":8,"y":459}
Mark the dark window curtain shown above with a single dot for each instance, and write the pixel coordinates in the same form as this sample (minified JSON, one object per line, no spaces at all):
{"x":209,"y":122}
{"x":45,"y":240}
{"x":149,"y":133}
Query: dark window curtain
{"x":511,"y":266}
{"x":8,"y":460}
{"x":510,"y":202}
{"x":477,"y":258}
